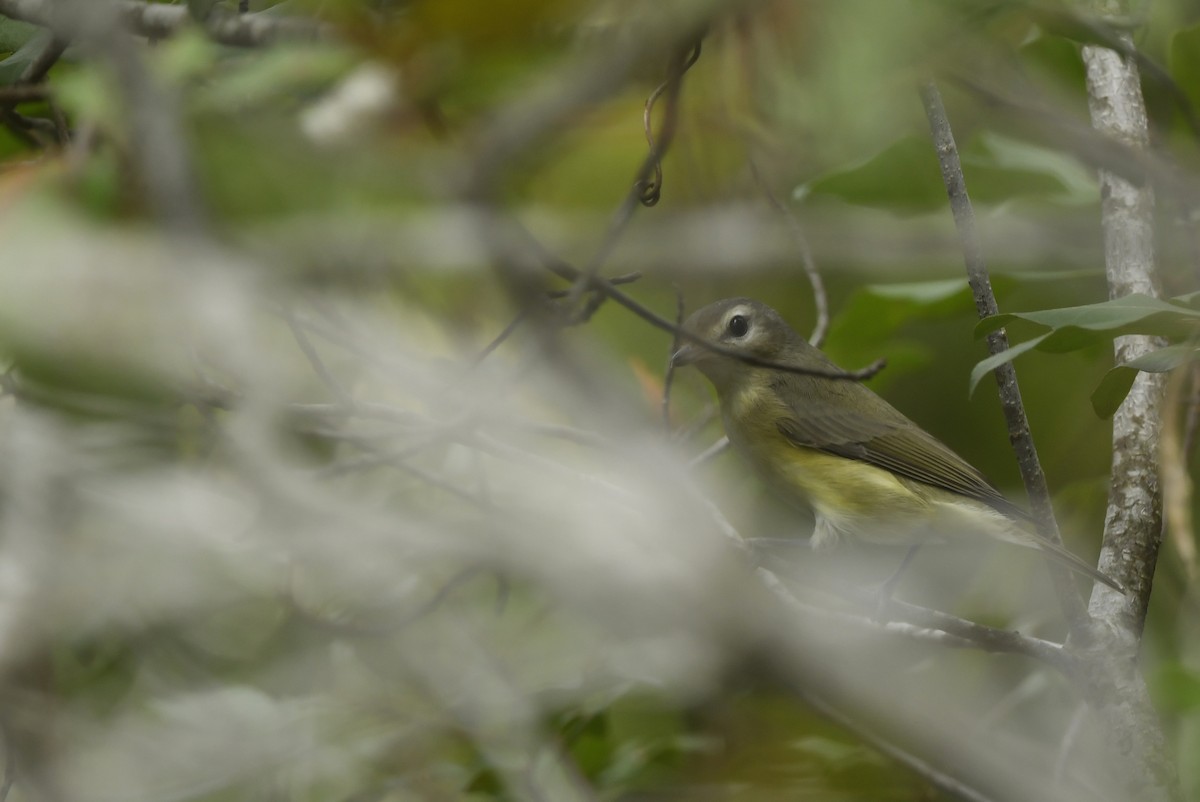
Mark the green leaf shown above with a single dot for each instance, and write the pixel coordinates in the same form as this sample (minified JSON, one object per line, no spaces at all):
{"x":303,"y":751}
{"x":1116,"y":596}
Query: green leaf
{"x":1075,"y":326}
{"x":986,"y":366}
{"x":1183,"y":61}
{"x":1115,"y":385}
{"x":1177,"y":688}
{"x":905,"y":176}
{"x":12,"y":67}
{"x":15,"y":35}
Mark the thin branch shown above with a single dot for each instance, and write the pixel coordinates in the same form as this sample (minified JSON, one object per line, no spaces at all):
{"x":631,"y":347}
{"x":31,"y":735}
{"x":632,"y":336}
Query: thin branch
{"x":566,"y":271}
{"x":318,"y":365}
{"x":504,"y":334}
{"x":669,"y":377}
{"x":936,"y":777}
{"x":820,"y":299}
{"x":717,"y":448}
{"x":1006,"y":376}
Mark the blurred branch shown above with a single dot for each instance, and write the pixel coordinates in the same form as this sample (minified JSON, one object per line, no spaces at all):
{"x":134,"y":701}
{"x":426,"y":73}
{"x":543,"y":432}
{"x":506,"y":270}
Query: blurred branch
{"x":820,"y":299}
{"x":24,"y":94}
{"x":156,"y":20}
{"x":933,"y":626}
{"x":1098,"y":149}
{"x":1006,"y":375}
{"x":157,"y":143}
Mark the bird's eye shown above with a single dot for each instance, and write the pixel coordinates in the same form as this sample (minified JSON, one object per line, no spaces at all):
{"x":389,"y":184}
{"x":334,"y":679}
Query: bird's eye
{"x":738,"y":326}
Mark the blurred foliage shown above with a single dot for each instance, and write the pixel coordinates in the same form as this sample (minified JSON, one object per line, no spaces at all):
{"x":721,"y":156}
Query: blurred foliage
{"x":334,"y":174}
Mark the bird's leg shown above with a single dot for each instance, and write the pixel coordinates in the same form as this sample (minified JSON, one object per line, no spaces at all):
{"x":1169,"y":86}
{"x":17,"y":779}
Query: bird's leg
{"x":883,"y":595}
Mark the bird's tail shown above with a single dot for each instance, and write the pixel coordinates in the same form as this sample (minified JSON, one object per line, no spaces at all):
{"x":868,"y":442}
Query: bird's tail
{"x":1064,"y":557}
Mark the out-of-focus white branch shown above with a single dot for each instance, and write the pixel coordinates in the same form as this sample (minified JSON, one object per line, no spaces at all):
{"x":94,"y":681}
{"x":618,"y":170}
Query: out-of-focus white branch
{"x":157,"y":20}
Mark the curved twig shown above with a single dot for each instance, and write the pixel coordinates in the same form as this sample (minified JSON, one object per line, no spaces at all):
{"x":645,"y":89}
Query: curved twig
{"x":820,"y":299}
{"x":650,"y":191}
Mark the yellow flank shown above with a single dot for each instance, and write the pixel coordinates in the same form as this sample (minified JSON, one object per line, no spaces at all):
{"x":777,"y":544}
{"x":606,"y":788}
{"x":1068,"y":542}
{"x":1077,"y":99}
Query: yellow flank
{"x":849,"y":497}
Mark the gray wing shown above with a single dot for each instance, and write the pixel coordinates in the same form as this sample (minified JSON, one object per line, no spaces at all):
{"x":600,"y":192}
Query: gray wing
{"x":848,"y":420}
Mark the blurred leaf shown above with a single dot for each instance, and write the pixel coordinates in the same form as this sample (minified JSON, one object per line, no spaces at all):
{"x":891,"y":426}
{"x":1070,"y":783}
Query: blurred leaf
{"x":279,"y":73}
{"x":906,"y":177}
{"x":1058,"y":59}
{"x":837,"y":755}
{"x":1183,"y":61}
{"x":32,"y":41}
{"x":1177,"y":687}
{"x":16,"y":35}
{"x":187,"y":56}
{"x":1116,"y":383}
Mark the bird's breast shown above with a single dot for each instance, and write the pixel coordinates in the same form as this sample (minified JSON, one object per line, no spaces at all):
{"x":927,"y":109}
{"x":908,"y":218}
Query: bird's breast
{"x":851,"y":496}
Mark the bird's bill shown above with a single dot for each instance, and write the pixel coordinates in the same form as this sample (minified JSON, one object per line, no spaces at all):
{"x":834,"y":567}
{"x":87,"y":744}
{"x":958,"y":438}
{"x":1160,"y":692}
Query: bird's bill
{"x":689,"y":354}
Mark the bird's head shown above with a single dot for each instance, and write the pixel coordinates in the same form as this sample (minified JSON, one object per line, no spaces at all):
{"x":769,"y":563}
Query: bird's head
{"x":739,"y":325}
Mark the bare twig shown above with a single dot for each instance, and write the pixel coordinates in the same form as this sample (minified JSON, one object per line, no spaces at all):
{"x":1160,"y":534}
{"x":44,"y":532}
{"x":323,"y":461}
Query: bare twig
{"x":820,"y":299}
{"x":1006,"y":375}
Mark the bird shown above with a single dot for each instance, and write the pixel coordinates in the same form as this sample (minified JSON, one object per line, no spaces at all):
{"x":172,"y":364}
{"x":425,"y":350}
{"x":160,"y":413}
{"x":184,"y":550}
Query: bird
{"x":865,"y":470}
